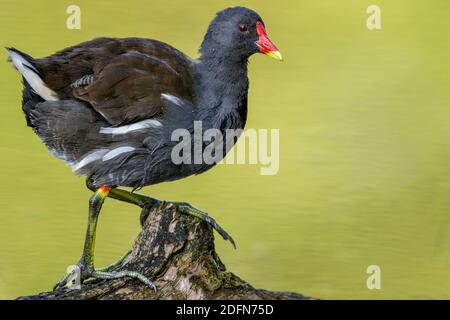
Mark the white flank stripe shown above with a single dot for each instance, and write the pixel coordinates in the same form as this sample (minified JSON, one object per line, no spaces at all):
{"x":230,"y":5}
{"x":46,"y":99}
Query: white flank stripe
{"x":173,"y":99}
{"x":115,"y":152}
{"x":94,"y":156}
{"x":35,"y":81}
{"x":150,"y":123}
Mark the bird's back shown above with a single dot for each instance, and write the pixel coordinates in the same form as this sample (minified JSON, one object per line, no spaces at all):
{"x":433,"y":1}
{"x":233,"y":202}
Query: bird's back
{"x":62,"y":69}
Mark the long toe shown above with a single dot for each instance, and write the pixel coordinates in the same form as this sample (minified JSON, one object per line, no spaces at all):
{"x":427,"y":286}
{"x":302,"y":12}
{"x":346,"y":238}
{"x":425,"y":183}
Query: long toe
{"x":115,"y":265}
{"x":186,"y":208}
{"x":124,"y":274}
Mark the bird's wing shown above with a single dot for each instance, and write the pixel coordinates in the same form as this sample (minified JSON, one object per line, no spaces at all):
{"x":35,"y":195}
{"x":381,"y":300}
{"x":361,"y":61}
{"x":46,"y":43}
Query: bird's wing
{"x":124,"y":80}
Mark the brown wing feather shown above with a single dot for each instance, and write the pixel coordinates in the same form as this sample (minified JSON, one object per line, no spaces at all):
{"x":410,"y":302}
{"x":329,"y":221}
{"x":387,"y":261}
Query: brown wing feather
{"x":129,"y":76}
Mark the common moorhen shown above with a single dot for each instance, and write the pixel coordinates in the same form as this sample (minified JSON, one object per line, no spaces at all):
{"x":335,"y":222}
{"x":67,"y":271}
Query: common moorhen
{"x":108,"y":107}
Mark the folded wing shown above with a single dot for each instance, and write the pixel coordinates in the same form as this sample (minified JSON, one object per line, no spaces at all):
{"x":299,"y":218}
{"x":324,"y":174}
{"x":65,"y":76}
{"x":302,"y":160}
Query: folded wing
{"x":124,"y":80}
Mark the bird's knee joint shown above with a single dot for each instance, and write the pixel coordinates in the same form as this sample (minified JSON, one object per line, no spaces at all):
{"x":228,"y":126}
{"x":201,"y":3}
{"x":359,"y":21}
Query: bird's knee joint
{"x":91,"y":185}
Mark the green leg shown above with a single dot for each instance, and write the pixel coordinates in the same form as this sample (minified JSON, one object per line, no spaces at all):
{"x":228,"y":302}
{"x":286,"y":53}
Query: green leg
{"x":95,"y":205}
{"x":85,"y":266}
{"x":146,"y":203}
{"x":144,"y":214}
{"x":133,"y":198}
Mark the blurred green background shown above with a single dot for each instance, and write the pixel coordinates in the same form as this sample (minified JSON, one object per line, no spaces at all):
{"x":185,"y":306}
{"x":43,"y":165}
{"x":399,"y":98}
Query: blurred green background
{"x":364,"y":166}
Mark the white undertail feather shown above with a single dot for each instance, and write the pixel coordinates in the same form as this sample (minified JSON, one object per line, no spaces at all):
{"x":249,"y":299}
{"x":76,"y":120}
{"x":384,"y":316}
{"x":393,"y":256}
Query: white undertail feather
{"x":31,"y":75}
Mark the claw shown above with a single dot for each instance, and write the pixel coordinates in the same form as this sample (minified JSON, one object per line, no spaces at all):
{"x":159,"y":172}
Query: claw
{"x":186,"y":208}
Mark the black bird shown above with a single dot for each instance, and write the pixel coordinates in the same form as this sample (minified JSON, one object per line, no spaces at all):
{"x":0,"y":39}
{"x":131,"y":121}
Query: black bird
{"x":108,"y":107}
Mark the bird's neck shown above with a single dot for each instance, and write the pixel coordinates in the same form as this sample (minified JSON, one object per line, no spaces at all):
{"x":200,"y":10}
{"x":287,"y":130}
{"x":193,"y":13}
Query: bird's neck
{"x":222,"y":87}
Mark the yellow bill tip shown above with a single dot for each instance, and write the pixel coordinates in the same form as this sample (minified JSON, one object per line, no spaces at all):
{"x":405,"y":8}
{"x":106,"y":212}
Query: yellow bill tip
{"x":276,"y":55}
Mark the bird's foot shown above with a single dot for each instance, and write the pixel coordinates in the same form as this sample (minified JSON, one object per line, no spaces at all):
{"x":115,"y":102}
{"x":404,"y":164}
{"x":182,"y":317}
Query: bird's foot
{"x":186,"y":208}
{"x":82,"y":272}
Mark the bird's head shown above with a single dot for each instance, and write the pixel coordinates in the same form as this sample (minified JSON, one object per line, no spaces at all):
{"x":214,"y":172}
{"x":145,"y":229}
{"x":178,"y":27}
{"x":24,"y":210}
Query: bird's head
{"x":238,"y":33}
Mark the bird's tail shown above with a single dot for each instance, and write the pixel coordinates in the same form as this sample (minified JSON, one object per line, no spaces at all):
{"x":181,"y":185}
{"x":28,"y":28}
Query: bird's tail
{"x":26,"y":66}
{"x":35,"y":90}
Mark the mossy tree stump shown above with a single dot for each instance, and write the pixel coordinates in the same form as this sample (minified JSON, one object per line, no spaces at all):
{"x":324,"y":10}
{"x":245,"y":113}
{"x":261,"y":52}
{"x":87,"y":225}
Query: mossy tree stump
{"x":177,"y":253}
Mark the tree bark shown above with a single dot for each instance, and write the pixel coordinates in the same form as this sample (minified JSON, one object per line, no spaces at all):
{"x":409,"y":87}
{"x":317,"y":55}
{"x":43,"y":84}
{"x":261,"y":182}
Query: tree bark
{"x":177,"y":253}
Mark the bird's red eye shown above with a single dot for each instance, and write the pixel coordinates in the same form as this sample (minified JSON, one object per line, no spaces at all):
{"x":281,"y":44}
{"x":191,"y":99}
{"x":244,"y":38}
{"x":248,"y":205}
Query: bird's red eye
{"x":243,"y":28}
